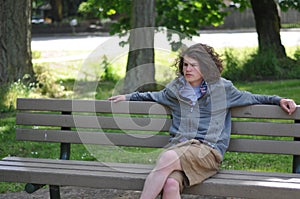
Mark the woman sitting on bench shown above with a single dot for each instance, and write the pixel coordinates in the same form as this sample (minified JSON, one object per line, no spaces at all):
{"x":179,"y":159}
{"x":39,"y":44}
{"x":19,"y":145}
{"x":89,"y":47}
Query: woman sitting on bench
{"x":199,"y":100}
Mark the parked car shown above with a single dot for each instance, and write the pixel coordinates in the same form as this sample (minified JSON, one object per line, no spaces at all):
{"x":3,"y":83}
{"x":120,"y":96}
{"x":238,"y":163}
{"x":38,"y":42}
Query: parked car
{"x":37,"y":20}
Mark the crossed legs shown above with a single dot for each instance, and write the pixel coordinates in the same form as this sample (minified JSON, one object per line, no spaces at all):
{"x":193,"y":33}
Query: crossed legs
{"x":158,"y":179}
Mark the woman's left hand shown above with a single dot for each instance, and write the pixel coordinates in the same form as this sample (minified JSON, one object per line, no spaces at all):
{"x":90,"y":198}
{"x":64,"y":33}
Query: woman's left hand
{"x":288,"y":105}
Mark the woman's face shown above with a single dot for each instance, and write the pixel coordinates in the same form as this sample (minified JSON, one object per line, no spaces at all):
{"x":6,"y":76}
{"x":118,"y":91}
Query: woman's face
{"x":191,"y":71}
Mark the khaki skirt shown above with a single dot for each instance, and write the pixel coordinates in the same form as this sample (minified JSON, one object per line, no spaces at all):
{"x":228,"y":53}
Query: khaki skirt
{"x":198,"y":161}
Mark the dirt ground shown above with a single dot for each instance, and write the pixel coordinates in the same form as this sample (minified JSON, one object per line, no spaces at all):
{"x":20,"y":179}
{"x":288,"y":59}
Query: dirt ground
{"x":86,"y":193}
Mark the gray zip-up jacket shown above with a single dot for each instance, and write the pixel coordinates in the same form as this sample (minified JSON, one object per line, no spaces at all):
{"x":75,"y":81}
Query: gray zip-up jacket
{"x":208,"y":119}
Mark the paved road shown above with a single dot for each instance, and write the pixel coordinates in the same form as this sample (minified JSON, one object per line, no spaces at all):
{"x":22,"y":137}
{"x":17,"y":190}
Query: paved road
{"x":215,"y":39}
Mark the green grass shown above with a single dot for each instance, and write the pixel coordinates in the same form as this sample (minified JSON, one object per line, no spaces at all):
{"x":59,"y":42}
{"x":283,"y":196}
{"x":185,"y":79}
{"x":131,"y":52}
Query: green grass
{"x":283,"y":88}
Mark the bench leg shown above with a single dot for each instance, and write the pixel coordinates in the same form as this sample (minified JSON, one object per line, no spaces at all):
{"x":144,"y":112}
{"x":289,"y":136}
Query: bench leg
{"x":296,"y":158}
{"x":30,"y":188}
{"x":54,"y":192}
{"x":296,"y":164}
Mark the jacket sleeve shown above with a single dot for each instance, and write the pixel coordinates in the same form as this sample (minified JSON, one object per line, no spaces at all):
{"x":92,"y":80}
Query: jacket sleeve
{"x":159,"y":96}
{"x":241,"y":98}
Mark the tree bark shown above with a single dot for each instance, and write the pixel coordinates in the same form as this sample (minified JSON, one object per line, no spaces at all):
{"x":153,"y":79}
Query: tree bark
{"x":268,"y":26}
{"x":140,"y":68}
{"x":15,"y":40}
{"x":70,"y":7}
{"x":57,"y":10}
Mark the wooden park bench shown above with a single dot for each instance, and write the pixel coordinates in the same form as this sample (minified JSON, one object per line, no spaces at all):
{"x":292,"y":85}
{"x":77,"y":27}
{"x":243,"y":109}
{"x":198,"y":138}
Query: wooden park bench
{"x":135,"y":124}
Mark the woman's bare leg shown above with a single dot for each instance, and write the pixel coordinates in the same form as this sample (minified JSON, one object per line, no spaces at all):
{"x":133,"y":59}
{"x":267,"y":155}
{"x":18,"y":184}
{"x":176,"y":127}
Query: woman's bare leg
{"x":171,"y":189}
{"x":167,"y":163}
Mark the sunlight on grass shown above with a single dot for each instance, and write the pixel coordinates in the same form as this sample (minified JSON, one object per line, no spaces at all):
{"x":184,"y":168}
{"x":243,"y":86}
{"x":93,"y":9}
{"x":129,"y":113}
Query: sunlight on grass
{"x":3,"y":128}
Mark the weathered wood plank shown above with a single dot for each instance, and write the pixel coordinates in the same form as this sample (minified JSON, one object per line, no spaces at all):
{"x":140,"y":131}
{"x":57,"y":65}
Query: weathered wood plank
{"x":290,"y":177}
{"x":138,"y":107}
{"x":150,"y":140}
{"x":141,"y":168}
{"x":76,"y":162}
{"x":98,"y":122}
{"x":265,"y":146}
{"x":68,"y":177}
{"x":245,"y":189}
{"x":264,"y":111}
{"x":83,"y":166}
{"x":88,"y":137}
{"x":266,"y":128}
{"x":93,"y":106}
{"x":230,"y":185}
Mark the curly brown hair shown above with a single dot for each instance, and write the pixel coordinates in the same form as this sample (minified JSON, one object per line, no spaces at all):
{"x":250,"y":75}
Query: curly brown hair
{"x":211,"y":65}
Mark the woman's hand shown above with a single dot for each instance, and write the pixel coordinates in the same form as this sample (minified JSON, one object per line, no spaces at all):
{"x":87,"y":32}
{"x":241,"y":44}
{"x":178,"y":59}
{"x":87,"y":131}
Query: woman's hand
{"x":117,"y":98}
{"x":288,"y":105}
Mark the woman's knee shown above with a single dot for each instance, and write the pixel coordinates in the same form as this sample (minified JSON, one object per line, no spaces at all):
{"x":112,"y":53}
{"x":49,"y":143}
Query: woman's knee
{"x":171,"y":186}
{"x":168,"y":157}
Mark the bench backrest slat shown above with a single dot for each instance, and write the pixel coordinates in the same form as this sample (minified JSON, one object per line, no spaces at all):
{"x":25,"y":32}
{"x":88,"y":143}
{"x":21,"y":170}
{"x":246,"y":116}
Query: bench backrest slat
{"x":101,"y":122}
{"x":265,"y":129}
{"x":138,"y":124}
{"x":92,"y":106}
{"x":263,"y":111}
{"x":88,"y":137}
{"x":265,"y":146}
{"x":150,"y":140}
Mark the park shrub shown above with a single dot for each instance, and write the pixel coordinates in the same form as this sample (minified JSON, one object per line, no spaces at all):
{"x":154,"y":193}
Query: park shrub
{"x":47,"y":84}
{"x":261,"y":66}
{"x":256,"y":66}
{"x":297,"y":54}
{"x":110,"y":73}
{"x":36,"y":54}
{"x":232,"y":65}
{"x":10,"y":92}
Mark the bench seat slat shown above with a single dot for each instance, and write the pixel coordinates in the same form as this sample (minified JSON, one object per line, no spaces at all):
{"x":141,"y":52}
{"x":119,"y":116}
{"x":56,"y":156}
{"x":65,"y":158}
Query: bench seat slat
{"x":143,"y":169}
{"x":84,"y":166}
{"x":140,"y":168}
{"x":99,"y":122}
{"x":78,"y":137}
{"x":287,"y":176}
{"x":218,"y":184}
{"x":77,"y":162}
{"x":98,"y":106}
{"x":244,"y":189}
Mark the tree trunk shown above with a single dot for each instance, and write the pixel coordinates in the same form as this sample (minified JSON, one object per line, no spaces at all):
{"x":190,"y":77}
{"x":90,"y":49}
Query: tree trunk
{"x":70,"y":7}
{"x":268,"y":26}
{"x":140,"y":69}
{"x":15,"y":40}
{"x":57,"y":10}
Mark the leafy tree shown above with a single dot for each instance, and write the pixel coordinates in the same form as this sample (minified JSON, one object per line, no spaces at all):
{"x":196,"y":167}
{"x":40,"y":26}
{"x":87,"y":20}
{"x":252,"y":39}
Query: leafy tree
{"x":268,"y":22}
{"x":182,"y":16}
{"x":186,"y":16}
{"x":287,"y":4}
{"x":189,"y":16}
